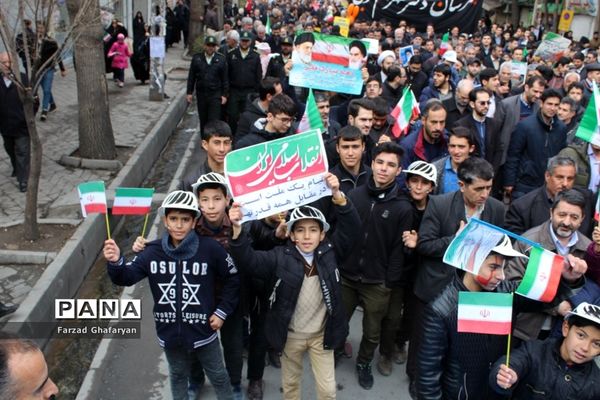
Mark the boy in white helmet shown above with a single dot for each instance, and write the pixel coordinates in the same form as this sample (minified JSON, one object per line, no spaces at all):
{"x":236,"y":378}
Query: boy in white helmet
{"x":182,"y":268}
{"x":306,"y":312}
{"x":555,"y":368}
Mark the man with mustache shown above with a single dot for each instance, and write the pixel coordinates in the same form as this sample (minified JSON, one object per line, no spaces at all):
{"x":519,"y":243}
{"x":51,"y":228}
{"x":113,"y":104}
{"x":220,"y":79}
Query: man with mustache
{"x":560,"y":235}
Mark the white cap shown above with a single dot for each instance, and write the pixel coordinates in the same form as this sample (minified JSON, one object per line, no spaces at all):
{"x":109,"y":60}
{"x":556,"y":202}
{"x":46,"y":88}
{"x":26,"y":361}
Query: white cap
{"x":505,"y":248}
{"x":588,"y":311}
{"x":450,"y":56}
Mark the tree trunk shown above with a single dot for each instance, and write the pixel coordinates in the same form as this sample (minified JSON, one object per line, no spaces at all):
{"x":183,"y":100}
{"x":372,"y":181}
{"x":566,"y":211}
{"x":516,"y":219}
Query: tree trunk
{"x":514,"y":10}
{"x":96,"y":139}
{"x":30,"y":227}
{"x":196,"y":22}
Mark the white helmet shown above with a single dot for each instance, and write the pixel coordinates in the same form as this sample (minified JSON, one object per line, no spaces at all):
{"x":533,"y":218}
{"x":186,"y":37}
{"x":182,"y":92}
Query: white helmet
{"x":180,"y":200}
{"x":212,"y":178}
{"x":424,"y":169}
{"x":306,"y":212}
{"x":504,"y":247}
{"x":587,"y":311}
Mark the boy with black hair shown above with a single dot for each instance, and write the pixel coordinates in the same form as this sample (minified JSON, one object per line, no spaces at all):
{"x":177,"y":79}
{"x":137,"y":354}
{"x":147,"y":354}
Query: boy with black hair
{"x":217,"y":142}
{"x":306,"y":312}
{"x":555,"y":368}
{"x":277,"y":124}
{"x":182,"y":269}
{"x":376,"y":264}
{"x":268,"y":88}
{"x":351,"y":170}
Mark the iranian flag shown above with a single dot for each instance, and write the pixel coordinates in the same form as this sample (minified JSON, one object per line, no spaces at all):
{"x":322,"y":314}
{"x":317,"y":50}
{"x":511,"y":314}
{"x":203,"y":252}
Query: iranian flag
{"x":588,"y":128}
{"x":406,"y":110}
{"x":132,"y":201}
{"x":445,"y":45}
{"x":597,"y":212}
{"x":542,"y":275}
{"x":311,"y":118}
{"x":331,"y":49}
{"x":484,"y":312}
{"x":92,"y":197}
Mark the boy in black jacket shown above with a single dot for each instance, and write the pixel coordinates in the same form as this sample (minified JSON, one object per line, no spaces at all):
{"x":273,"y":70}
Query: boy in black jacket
{"x":306,"y":312}
{"x":555,"y":369}
{"x":181,"y":269}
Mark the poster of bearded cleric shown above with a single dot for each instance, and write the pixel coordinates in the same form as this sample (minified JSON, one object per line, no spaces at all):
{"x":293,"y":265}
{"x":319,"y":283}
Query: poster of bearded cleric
{"x":327,"y":62}
{"x":443,"y":14}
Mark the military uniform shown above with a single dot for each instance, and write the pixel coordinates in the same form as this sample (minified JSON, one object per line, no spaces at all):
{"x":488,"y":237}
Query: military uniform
{"x":245,"y":75}
{"x":210,"y":79}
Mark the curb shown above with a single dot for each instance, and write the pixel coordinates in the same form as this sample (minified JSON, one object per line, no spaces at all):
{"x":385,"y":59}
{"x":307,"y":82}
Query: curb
{"x":63,"y":277}
{"x":26,"y":257}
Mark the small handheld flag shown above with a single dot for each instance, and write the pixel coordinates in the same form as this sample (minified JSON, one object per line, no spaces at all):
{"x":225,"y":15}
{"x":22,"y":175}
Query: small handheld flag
{"x":406,"y":110}
{"x":485,"y":312}
{"x":132,"y":201}
{"x":311,"y":118}
{"x":588,"y":129}
{"x":445,"y":45}
{"x":542,"y":275}
{"x":597,"y":211}
{"x":92,"y":197}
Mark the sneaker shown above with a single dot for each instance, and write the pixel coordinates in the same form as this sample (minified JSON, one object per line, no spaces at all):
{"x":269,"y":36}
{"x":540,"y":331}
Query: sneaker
{"x":255,"y":389}
{"x":237,"y":392}
{"x":384,"y":365}
{"x":121,"y":84}
{"x":365,"y":376}
{"x":44,"y":116}
{"x":5,"y":309}
{"x":52,"y":107}
{"x":400,"y":355}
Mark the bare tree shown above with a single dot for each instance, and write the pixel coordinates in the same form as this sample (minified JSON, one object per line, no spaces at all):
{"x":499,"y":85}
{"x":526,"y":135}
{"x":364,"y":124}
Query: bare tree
{"x":196,"y":22}
{"x":10,"y":26}
{"x":96,"y":139}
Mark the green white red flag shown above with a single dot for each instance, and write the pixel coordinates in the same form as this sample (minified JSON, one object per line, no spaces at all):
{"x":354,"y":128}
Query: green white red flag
{"x":589,"y":128}
{"x":132,"y":201}
{"x":406,"y":110}
{"x":92,"y":197}
{"x":445,"y":45}
{"x":485,"y":312}
{"x":331,"y":49}
{"x":311,"y":118}
{"x":542,"y":275}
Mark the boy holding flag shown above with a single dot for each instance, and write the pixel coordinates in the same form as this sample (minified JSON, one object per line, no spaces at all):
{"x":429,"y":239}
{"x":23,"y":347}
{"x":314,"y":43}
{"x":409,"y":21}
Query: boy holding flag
{"x":555,"y":368}
{"x":453,"y":361}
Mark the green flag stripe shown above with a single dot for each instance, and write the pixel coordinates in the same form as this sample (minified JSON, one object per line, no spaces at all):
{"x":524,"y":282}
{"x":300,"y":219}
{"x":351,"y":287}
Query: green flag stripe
{"x":532,"y":269}
{"x":314,"y":117}
{"x":94,"y":186}
{"x":589,"y":123}
{"x":134,"y":192}
{"x":485,"y":299}
{"x":407,"y":104}
{"x":333,"y":39}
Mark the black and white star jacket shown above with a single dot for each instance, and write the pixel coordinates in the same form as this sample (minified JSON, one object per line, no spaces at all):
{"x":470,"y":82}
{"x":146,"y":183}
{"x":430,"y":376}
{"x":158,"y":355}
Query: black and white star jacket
{"x":182,"y":281}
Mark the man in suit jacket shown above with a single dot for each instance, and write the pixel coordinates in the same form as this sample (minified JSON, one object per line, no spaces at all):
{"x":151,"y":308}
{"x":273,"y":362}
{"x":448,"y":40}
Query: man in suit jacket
{"x":486,"y":131}
{"x":444,"y":216}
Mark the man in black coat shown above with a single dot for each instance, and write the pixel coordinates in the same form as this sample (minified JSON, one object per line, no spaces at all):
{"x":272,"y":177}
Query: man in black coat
{"x":486,"y":131}
{"x":245,"y":74}
{"x":533,"y":209}
{"x":208,"y":76}
{"x":13,"y":126}
{"x":444,"y":216}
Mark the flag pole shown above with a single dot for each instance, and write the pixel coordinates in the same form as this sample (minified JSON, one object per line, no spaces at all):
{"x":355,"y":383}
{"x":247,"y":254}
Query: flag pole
{"x":509,"y":339}
{"x":107,"y":225}
{"x":145,"y":223}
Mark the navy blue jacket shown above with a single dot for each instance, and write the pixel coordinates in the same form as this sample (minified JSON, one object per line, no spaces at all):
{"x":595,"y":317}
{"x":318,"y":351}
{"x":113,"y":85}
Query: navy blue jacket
{"x":183,"y":287}
{"x":531,"y":145}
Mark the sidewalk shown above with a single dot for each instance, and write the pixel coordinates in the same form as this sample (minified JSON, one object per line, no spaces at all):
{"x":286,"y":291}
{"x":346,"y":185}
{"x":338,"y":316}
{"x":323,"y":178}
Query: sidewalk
{"x":132,"y":116}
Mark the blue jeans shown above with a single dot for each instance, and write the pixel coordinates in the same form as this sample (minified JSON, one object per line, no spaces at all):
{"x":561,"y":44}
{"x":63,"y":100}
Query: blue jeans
{"x":47,"y":89}
{"x":211,"y":357}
